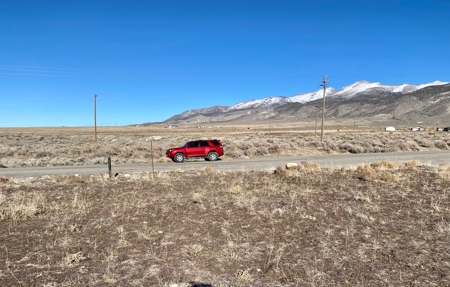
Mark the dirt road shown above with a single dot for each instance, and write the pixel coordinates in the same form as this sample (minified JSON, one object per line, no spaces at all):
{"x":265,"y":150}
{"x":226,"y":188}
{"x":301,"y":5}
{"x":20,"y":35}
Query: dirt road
{"x":332,"y":161}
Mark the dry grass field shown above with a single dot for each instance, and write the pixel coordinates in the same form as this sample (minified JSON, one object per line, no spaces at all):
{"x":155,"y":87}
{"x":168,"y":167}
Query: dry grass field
{"x":75,"y":146}
{"x":383,"y":224}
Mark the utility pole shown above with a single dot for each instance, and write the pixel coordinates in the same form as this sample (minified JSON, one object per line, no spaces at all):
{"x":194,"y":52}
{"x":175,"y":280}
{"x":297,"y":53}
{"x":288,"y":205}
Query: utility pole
{"x":95,"y":118}
{"x":324,"y":84}
{"x":317,"y":116}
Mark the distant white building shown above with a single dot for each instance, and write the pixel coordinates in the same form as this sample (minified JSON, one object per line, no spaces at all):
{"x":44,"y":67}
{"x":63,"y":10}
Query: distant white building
{"x":390,"y":129}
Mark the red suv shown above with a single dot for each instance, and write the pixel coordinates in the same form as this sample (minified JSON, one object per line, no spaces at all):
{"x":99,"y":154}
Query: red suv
{"x":209,"y":149}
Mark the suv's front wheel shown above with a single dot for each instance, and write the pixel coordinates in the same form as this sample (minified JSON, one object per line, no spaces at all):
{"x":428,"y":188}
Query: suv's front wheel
{"x":212,"y":156}
{"x":179,"y":157}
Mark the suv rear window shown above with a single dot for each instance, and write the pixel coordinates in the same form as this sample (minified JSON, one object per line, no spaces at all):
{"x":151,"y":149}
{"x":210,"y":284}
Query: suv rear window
{"x":215,"y":142}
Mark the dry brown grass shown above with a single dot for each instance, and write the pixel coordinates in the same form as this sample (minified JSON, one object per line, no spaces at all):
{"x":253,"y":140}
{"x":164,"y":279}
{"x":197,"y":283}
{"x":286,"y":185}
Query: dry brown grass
{"x":384,"y":170}
{"x":75,"y":146}
{"x":412,"y":163}
{"x":320,"y":228}
{"x":310,"y":167}
{"x":208,"y":169}
{"x":367,"y":173}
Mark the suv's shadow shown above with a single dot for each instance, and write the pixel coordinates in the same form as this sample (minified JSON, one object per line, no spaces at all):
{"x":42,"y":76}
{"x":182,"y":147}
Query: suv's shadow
{"x":200,"y":159}
{"x":194,"y":284}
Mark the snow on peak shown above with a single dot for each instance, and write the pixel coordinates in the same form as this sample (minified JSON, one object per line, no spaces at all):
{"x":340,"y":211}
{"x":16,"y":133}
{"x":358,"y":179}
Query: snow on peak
{"x":359,"y":87}
{"x":269,"y":101}
{"x":435,"y":83}
{"x":307,"y":97}
{"x":346,"y":92}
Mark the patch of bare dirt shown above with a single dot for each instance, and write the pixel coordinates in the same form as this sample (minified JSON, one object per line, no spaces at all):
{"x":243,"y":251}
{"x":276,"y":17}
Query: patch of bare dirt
{"x":376,"y":225}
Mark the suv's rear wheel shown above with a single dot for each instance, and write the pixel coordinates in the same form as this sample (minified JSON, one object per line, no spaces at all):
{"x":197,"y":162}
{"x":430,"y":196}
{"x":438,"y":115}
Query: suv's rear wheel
{"x":212,"y":156}
{"x":179,"y":157}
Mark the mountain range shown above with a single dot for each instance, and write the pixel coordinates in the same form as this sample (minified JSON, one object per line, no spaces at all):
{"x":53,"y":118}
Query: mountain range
{"x":407,"y":103}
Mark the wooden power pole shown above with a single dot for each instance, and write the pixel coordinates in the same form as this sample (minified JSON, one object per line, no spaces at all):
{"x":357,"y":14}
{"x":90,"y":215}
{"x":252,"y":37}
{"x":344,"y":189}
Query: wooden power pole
{"x":324,"y":84}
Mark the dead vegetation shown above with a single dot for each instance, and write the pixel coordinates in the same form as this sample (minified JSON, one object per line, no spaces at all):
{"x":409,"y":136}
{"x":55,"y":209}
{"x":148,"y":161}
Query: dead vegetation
{"x":48,"y":147}
{"x":383,"y":224}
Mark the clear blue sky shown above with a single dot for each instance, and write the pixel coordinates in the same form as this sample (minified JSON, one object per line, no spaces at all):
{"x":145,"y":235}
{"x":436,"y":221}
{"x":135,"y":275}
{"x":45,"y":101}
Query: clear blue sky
{"x":149,"y":60}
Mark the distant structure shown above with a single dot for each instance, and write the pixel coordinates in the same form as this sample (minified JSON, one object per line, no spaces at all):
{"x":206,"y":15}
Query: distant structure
{"x":390,"y":129}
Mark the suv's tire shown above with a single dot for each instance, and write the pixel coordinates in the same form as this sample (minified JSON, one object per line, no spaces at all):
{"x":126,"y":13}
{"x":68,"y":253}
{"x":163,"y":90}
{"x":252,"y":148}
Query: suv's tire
{"x":179,"y":157}
{"x":212,"y":156}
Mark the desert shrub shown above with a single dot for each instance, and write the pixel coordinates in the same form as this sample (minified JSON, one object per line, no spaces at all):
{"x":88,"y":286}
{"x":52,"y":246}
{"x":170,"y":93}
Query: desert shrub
{"x":374,"y":142}
{"x":310,"y":166}
{"x":208,"y":169}
{"x":444,"y":172}
{"x":126,"y":153}
{"x":73,"y":179}
{"x":412,"y":145}
{"x":76,"y":151}
{"x":316,"y":144}
{"x":387,"y":164}
{"x":41,"y":154}
{"x":424,"y":142}
{"x":275,"y":149}
{"x":333,"y":146}
{"x":375,"y":149}
{"x":87,"y":149}
{"x":260,"y":151}
{"x":376,"y":164}
{"x":367,"y":173}
{"x":100,"y":153}
{"x":101,"y":160}
{"x":386,"y":176}
{"x":5,"y":152}
{"x":234,"y":153}
{"x":383,"y":164}
{"x":441,"y":144}
{"x":142,"y":147}
{"x":299,"y":143}
{"x":25,"y":150}
{"x":352,"y":148}
{"x":281,"y":171}
{"x":398,"y":146}
{"x":412,"y":163}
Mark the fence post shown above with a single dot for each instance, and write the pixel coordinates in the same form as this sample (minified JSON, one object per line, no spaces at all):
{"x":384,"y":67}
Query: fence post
{"x":151,"y":151}
{"x":109,"y":167}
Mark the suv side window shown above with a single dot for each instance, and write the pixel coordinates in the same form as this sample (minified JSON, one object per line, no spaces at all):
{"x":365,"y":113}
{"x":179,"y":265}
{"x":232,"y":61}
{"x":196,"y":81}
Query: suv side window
{"x":215,"y":142}
{"x":192,"y":144}
{"x":203,"y":143}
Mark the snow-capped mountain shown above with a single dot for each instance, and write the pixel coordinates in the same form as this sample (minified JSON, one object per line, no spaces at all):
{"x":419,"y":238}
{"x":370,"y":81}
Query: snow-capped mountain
{"x":266,"y":102}
{"x":356,"y":90}
{"x":308,"y":97}
{"x":364,"y":87}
